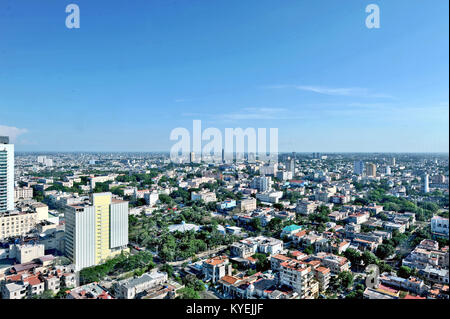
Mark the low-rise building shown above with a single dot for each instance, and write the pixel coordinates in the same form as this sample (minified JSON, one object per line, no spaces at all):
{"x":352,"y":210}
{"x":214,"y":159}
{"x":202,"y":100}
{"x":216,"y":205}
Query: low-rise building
{"x":247,"y":204}
{"x":132,"y":287}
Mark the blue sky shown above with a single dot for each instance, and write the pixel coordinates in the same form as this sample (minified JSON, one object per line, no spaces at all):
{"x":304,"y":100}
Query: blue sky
{"x":135,"y":70}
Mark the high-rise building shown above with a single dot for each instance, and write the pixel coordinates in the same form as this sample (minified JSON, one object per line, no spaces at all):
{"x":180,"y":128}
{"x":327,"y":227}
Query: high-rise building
{"x":262,"y":183}
{"x":358,"y":167}
{"x":290,"y":166}
{"x":371,"y":170}
{"x":192,"y":157}
{"x":393,"y":161}
{"x":96,"y":230}
{"x":387,"y":170}
{"x":6,"y":175}
{"x":426,"y":186}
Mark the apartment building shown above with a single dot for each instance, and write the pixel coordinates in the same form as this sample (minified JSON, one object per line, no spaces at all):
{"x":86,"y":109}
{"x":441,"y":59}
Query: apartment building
{"x":269,"y":197}
{"x":247,"y":204}
{"x":23,"y":193}
{"x":306,"y":207}
{"x":6,"y":175}
{"x":217,"y":267}
{"x":16,"y":223}
{"x":322,"y":275}
{"x":427,"y":253}
{"x":300,"y":277}
{"x":96,"y":231}
{"x":261,"y":183}
{"x":439,"y":226}
{"x":335,"y":263}
{"x":205,"y":196}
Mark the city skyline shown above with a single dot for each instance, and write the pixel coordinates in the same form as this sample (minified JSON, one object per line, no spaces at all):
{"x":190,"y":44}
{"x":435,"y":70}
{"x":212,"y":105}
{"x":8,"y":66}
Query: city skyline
{"x":131,"y":74}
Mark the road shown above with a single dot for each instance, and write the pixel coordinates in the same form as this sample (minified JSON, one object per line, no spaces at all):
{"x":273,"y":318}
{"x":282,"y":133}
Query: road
{"x":199,"y":255}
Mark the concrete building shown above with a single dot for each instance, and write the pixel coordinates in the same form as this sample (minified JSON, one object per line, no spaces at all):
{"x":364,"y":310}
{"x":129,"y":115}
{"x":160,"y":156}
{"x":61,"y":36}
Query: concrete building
{"x":358,"y":167}
{"x":23,"y":193}
{"x":322,"y":275}
{"x":226,"y":205}
{"x":192,"y":157}
{"x":133,"y":287}
{"x":439,"y":226}
{"x":335,"y":263}
{"x":300,"y":277}
{"x":247,"y":204}
{"x":6,"y":175}
{"x":24,"y":253}
{"x":89,"y":291}
{"x":216,"y":268}
{"x":151,"y":198}
{"x":269,"y":197}
{"x":96,"y":231}
{"x":262,"y":183}
{"x":371,"y":170}
{"x":205,"y":196}
{"x":41,"y":210}
{"x":15,"y":223}
{"x":306,"y":207}
{"x":247,"y":247}
{"x":426,"y":185}
{"x":284,"y":176}
{"x":268,"y":170}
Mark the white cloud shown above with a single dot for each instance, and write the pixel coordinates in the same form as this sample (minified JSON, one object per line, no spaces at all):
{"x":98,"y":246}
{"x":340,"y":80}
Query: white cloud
{"x":12,"y":132}
{"x":252,"y":113}
{"x":360,"y":92}
{"x":249,"y":113}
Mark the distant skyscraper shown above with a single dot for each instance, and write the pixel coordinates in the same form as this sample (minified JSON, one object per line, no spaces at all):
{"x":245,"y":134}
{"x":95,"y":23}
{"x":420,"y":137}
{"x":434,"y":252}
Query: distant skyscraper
{"x":96,"y":231}
{"x":371,"y":170}
{"x":192,"y":157}
{"x":393,"y":161}
{"x":6,"y":175}
{"x":290,"y":166}
{"x":426,"y":186}
{"x":387,"y":170}
{"x":358,"y":167}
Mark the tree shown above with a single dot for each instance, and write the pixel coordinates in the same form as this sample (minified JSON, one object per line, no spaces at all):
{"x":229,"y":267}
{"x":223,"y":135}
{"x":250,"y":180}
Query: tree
{"x":188,"y":293}
{"x":263,"y":263}
{"x":168,"y":269}
{"x":358,"y":293}
{"x":256,"y":224}
{"x":384,"y":250}
{"x":369,"y":258}
{"x":191,"y":281}
{"x":309,"y":250}
{"x":346,"y":279}
{"x":404,"y":272}
{"x":353,"y":255}
{"x":47,"y":294}
{"x":274,"y":224}
{"x":278,"y":206}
